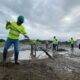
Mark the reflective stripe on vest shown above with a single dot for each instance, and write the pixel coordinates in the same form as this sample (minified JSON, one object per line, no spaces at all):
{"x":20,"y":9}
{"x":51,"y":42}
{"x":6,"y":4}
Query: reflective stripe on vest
{"x":72,"y":41}
{"x":57,"y":42}
{"x":54,"y":41}
{"x":13,"y":28}
{"x":13,"y":34}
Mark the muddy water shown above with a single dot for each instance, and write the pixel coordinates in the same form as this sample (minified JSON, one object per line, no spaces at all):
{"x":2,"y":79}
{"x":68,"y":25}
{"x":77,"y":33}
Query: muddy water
{"x":1,"y":49}
{"x":25,"y":55}
{"x":73,"y":56}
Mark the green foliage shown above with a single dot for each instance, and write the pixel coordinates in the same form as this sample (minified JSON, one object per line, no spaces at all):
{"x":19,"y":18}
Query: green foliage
{"x":2,"y":40}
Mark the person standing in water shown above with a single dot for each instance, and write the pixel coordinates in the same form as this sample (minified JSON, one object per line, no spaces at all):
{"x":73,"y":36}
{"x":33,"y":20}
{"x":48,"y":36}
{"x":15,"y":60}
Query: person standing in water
{"x":15,"y":29}
{"x":72,"y":42}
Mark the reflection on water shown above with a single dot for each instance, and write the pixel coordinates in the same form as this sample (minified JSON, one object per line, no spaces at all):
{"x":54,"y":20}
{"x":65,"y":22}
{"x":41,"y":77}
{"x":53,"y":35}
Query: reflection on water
{"x":10,"y":49}
{"x":25,"y":55}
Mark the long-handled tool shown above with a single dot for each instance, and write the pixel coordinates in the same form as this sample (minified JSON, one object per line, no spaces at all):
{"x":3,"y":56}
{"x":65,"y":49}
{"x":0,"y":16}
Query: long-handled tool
{"x":44,"y":50}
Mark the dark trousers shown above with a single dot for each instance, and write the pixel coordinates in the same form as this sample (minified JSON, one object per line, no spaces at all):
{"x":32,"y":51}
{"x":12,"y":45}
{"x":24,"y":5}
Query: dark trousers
{"x":46,"y":46}
{"x":8,"y":43}
{"x":54,"y":46}
{"x":79,"y":46}
{"x":57,"y":46}
{"x":72,"y":46}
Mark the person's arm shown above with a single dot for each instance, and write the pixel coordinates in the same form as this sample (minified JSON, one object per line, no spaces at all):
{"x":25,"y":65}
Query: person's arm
{"x":23,"y":32}
{"x":74,"y":42}
{"x":8,"y":25}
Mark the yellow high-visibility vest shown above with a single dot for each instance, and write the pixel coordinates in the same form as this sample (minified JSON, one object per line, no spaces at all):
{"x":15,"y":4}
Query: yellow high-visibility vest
{"x":15,"y":30}
{"x":54,"y":41}
{"x":72,"y":41}
{"x":33,"y":42}
{"x":57,"y":42}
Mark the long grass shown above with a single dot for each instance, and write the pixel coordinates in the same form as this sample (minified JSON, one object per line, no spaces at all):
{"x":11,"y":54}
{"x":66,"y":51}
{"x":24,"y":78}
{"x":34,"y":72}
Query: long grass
{"x":2,"y":44}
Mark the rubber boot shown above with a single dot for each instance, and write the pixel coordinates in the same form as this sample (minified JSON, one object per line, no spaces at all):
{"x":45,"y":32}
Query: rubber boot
{"x":16,"y":58}
{"x":4,"y":57}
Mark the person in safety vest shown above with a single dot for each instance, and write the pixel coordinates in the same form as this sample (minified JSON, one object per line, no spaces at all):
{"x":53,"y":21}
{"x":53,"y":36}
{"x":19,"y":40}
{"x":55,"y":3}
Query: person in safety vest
{"x":34,"y":44}
{"x":72,"y":43}
{"x":15,"y":29}
{"x":33,"y":47}
{"x":54,"y":43}
{"x":57,"y":43}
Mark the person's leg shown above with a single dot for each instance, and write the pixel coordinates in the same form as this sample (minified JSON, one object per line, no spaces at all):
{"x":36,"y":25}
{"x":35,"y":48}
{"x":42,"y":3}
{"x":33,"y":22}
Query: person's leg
{"x":79,"y":46}
{"x":72,"y":46}
{"x":16,"y":50}
{"x":46,"y":46}
{"x":57,"y":46}
{"x":6,"y":47}
{"x":35,"y":50}
{"x":54,"y":46}
{"x":31,"y":49}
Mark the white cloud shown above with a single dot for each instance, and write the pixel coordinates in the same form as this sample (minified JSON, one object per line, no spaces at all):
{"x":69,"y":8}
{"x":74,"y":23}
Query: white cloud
{"x":43,"y":18}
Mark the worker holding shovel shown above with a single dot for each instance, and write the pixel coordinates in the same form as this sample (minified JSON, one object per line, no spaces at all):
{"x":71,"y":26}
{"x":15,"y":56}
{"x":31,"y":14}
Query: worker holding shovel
{"x":15,"y":29}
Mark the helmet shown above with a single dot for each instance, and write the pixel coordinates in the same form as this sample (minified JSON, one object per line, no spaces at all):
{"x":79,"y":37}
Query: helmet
{"x":21,"y":18}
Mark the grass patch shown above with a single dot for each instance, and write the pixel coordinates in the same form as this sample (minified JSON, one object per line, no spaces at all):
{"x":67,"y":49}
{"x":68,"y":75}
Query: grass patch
{"x":2,"y":44}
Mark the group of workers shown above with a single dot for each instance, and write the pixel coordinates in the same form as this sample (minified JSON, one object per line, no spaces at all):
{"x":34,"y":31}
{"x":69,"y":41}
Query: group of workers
{"x":15,"y":29}
{"x":56,"y":43}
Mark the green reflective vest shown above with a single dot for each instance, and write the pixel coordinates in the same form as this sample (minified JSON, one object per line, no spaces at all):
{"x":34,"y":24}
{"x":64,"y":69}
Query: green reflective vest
{"x":54,"y":41}
{"x":15,"y":30}
{"x":71,"y":41}
{"x":57,"y":42}
{"x":34,"y":42}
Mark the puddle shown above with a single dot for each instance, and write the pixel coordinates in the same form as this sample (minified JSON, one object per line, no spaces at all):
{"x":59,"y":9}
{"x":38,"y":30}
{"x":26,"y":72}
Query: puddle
{"x":10,"y":49}
{"x":25,"y":55}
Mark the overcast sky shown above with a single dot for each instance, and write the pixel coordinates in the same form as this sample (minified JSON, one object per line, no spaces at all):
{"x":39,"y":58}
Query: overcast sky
{"x":43,"y":18}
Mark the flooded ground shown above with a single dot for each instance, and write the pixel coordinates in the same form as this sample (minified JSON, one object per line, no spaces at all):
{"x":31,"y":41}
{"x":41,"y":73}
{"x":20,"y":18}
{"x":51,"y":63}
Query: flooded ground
{"x":25,"y":55}
{"x":65,"y":66}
